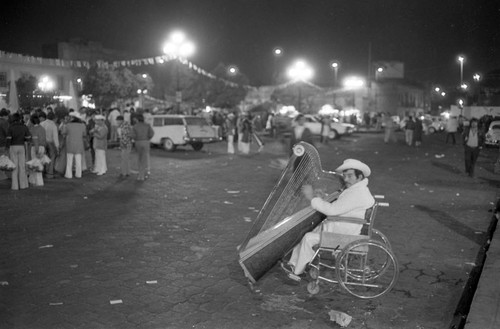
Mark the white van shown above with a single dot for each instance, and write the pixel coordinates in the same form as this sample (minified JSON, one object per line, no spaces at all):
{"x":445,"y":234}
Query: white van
{"x":173,"y":130}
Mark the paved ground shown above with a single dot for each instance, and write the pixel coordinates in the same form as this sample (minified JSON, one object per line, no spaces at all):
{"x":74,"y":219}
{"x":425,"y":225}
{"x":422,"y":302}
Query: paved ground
{"x":101,"y":252}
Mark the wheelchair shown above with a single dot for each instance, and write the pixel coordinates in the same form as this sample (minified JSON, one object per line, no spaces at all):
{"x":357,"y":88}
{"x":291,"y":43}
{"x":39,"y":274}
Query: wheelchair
{"x":364,"y":265}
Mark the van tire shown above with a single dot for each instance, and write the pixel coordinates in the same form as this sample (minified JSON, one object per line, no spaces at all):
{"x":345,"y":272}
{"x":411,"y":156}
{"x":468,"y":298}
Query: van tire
{"x":168,"y":145}
{"x":197,"y":146}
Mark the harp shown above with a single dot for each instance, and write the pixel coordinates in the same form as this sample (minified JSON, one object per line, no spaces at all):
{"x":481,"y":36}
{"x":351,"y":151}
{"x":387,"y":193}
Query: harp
{"x":287,"y":215}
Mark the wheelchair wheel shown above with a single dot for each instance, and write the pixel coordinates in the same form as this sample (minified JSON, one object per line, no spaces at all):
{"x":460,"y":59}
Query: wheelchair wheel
{"x":379,"y":236}
{"x":367,"y":269}
{"x":314,"y":273}
{"x":313,"y":287}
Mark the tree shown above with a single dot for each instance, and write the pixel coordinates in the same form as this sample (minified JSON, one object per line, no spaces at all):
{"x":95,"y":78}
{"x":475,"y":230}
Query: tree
{"x":29,"y":94}
{"x":226,"y":91}
{"x":290,"y":95}
{"x":109,"y":85}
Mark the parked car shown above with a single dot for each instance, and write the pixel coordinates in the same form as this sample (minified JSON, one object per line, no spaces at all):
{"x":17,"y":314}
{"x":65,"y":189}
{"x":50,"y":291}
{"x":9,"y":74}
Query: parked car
{"x":337,"y":128}
{"x":430,"y":124}
{"x":493,"y":134}
{"x":178,"y":130}
{"x":433,"y":124}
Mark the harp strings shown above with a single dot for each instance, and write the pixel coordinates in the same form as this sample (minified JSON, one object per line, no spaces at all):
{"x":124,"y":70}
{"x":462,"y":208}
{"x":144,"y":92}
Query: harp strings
{"x":291,"y":195}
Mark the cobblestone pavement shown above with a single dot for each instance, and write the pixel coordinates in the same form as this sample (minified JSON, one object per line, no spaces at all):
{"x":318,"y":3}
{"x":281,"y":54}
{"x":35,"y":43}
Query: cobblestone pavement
{"x":104,"y":252}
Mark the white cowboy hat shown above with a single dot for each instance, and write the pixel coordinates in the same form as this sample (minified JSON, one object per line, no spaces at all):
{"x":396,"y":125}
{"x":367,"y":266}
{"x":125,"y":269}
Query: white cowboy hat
{"x":354,"y":164}
{"x":99,"y":117}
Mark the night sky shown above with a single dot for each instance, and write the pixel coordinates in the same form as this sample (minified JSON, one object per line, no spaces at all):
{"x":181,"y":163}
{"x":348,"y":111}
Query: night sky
{"x":427,"y":35}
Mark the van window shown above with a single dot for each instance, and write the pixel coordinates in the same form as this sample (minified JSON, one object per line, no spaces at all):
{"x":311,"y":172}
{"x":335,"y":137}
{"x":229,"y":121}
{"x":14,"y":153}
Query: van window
{"x":195,"y":121}
{"x":173,"y":122}
{"x":158,"y":122}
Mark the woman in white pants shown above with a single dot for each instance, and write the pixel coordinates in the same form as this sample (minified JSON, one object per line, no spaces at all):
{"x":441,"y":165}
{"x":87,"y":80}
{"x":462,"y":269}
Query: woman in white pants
{"x":100,"y":134}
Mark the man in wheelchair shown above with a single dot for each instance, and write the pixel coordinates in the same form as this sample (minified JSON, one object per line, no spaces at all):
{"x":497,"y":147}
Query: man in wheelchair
{"x":352,"y":202}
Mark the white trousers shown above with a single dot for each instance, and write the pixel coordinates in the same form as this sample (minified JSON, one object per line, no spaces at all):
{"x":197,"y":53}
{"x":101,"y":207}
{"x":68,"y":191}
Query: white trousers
{"x":100,"y":166}
{"x":230,"y":144}
{"x":69,"y":165}
{"x":303,"y":252}
{"x":245,"y":148}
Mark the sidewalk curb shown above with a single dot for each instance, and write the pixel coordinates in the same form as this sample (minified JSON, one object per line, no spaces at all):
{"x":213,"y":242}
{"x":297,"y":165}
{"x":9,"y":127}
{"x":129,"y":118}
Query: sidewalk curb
{"x":464,"y":304}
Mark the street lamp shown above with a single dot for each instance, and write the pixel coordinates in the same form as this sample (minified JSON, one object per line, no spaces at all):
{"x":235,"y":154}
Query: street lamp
{"x":45,"y":84}
{"x":232,"y":70}
{"x":179,"y":47}
{"x":277,"y":54}
{"x":335,"y":66}
{"x":300,"y":71}
{"x":353,"y":83}
{"x":461,"y":59}
{"x":378,"y":71}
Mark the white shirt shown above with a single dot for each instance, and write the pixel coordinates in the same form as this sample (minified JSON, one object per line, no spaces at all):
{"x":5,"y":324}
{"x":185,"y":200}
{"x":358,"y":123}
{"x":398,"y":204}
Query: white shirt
{"x":51,"y":132}
{"x":352,"y":202}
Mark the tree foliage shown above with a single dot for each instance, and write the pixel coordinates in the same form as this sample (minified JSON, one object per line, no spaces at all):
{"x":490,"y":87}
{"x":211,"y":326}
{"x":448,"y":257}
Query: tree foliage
{"x":290,"y":96}
{"x":108,"y":85}
{"x":29,"y":95}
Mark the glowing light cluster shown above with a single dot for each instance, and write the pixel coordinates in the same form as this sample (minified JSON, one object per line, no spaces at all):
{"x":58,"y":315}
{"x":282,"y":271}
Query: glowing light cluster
{"x":178,"y":45}
{"x":300,"y":71}
{"x":46,"y":84}
{"x":354,"y":82}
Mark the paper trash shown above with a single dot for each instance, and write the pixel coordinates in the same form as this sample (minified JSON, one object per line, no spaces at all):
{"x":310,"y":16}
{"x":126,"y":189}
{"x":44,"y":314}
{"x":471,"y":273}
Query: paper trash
{"x":340,"y":318}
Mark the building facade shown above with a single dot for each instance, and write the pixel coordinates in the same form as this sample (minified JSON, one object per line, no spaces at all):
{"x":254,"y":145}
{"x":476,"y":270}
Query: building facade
{"x":15,"y":66}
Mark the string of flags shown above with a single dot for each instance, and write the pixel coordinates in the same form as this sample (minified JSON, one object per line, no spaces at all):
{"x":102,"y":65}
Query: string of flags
{"x":155,"y":60}
{"x":114,"y":64}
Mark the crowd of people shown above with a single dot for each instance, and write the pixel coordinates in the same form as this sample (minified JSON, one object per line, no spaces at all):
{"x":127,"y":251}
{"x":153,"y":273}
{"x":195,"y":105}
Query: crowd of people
{"x":46,"y":144}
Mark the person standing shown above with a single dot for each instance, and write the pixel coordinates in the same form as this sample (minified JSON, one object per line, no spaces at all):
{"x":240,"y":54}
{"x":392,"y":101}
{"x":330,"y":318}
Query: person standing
{"x":52,"y":139}
{"x":473,"y":140}
{"x":409,"y":129}
{"x":271,"y":125}
{"x":389,"y":129}
{"x":38,"y":143}
{"x":142,"y":133}
{"x":125,"y":136}
{"x":418,"y":132}
{"x":300,"y":132}
{"x":74,"y":132}
{"x":4,"y":127}
{"x":230,"y":131}
{"x":113,"y":124}
{"x":17,"y":135}
{"x":100,"y":136}
{"x":451,"y":129}
{"x":148,"y":119}
{"x":90,"y":126}
{"x":325,"y":129}
{"x":246,"y":133}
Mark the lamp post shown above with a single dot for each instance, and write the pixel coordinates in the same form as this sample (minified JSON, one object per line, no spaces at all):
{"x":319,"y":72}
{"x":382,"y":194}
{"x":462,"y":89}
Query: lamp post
{"x":461,"y":59}
{"x":354,"y":83}
{"x":378,"y":72}
{"x":179,"y":47}
{"x":477,"y":78}
{"x":277,"y":54}
{"x":299,"y":72}
{"x":335,"y":67}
